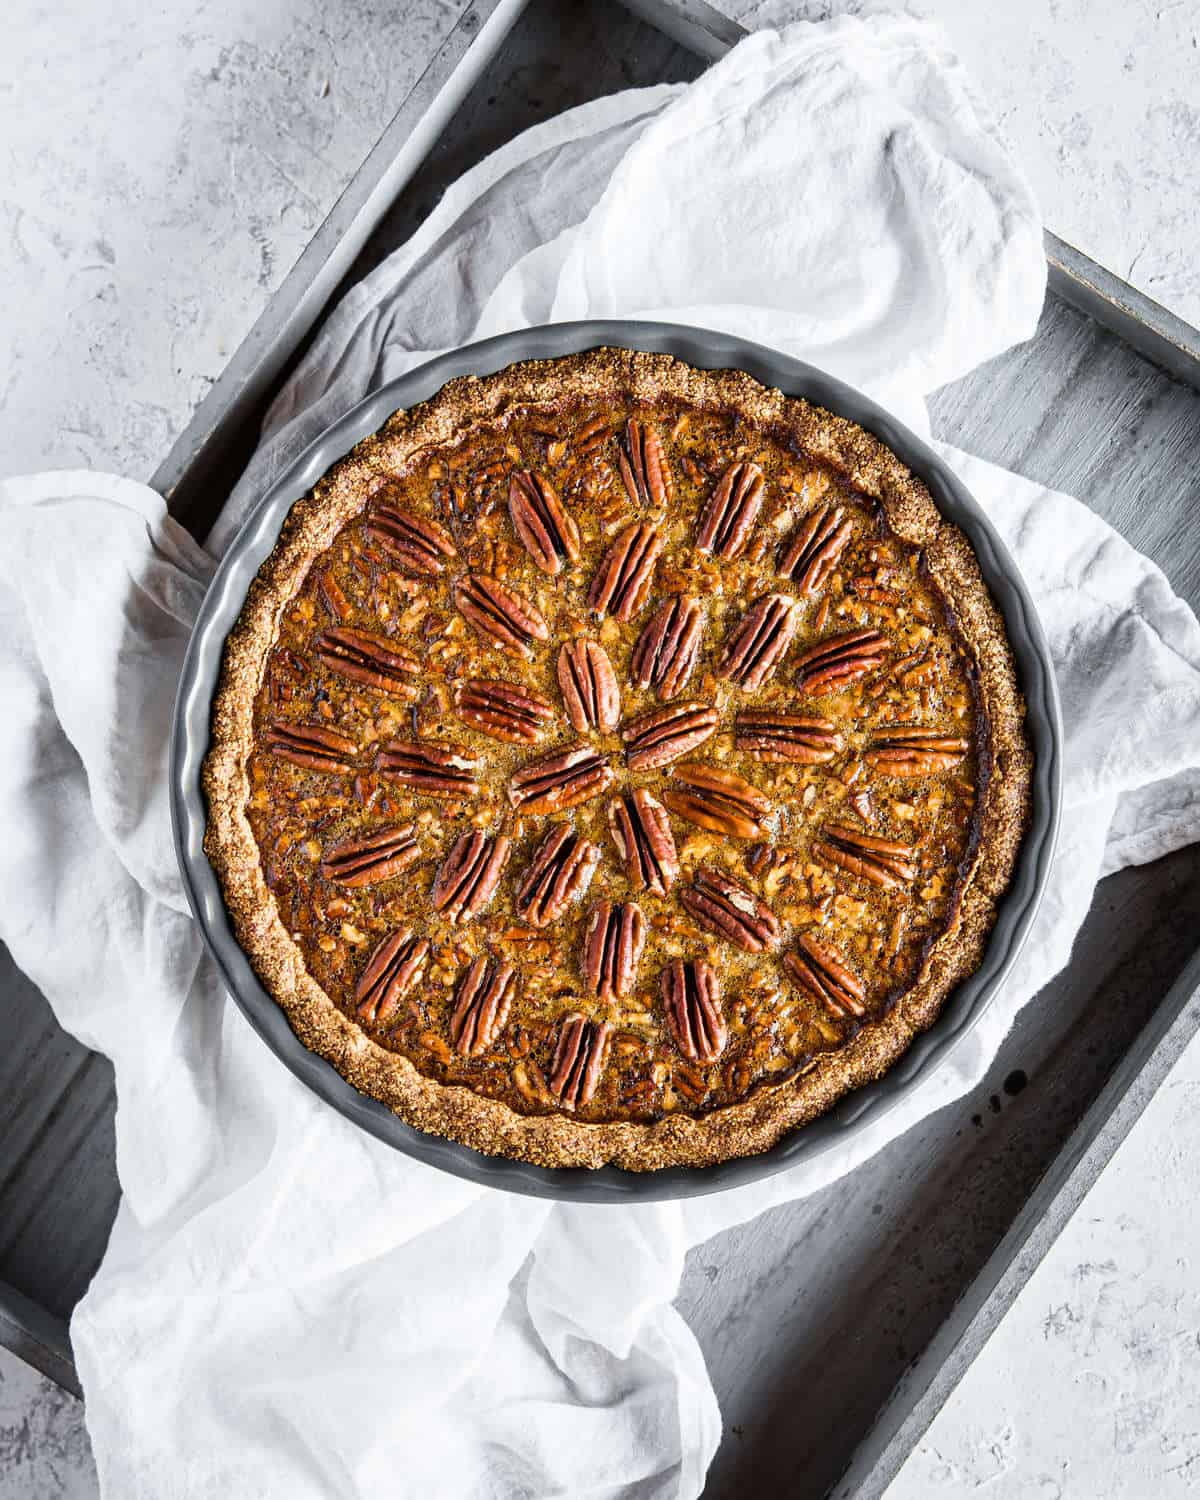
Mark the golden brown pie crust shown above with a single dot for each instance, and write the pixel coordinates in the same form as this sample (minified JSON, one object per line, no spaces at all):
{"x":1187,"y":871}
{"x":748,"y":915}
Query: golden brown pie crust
{"x":549,"y":1132}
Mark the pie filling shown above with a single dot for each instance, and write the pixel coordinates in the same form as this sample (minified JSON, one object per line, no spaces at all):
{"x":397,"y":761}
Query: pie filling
{"x":617,"y":758}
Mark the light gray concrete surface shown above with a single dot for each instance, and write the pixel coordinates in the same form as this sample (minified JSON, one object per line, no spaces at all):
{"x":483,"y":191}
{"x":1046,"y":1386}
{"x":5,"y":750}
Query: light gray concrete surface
{"x":44,"y":1453}
{"x":160,"y":169}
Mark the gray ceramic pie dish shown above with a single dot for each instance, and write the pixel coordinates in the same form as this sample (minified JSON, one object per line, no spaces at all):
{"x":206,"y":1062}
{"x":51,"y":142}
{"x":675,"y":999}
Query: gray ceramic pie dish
{"x":224,"y":601}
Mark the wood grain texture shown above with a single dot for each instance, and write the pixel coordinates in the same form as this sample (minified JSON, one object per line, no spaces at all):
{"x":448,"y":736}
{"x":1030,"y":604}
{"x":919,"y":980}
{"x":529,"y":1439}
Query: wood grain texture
{"x":58,"y":1180}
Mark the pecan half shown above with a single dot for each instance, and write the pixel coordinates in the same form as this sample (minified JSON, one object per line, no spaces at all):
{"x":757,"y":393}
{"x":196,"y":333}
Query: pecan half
{"x":840,"y":659}
{"x":371,"y":858}
{"x":549,"y":534}
{"x":692,"y":999}
{"x":915,"y":752}
{"x":579,"y":1060}
{"x":641,"y":831}
{"x":881,"y":861}
{"x":786,"y":737}
{"x":664,"y":734}
{"x":612,"y":949}
{"x":816,"y":548}
{"x":591,"y":436}
{"x":720,"y":801}
{"x":754,"y":650}
{"x":368,"y":659}
{"x":564,"y":779}
{"x":643,"y":466}
{"x":669,"y":646}
{"x":499,"y":614}
{"x":332,"y":597}
{"x":732,"y":510}
{"x":428,"y":768}
{"x":824,"y":974}
{"x":731,"y":910}
{"x":391,"y":972}
{"x":312,"y":746}
{"x":560,"y":872}
{"x":416,"y":543}
{"x":481,"y":1007}
{"x":503,"y":711}
{"x":589,"y":686}
{"x":622,"y":580}
{"x":467,"y":878}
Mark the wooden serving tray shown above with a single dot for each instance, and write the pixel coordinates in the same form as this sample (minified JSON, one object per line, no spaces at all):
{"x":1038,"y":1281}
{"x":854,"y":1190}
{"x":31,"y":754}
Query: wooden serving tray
{"x":936,"y":1235}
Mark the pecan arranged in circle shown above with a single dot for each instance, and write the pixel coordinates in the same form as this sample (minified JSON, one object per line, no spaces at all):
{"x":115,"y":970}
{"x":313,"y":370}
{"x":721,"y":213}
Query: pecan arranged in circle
{"x":548,"y":532}
{"x":669,"y":646}
{"x":720,"y":801}
{"x":840,"y":659}
{"x":731,"y":910}
{"x":429,"y":768}
{"x":622,"y":580}
{"x":816,"y":548}
{"x":664,"y":734}
{"x":559,"y":874}
{"x":418,"y":544}
{"x":503,"y":711}
{"x":612,"y":949}
{"x":579,"y":1060}
{"x":368,"y":659}
{"x":589,"y":686}
{"x":823,"y":973}
{"x":641,"y":831}
{"x":786,"y":737}
{"x":481,"y":1007}
{"x":915,"y":752}
{"x":391,"y":972}
{"x":881,"y":861}
{"x":564,"y":779}
{"x":643,"y":466}
{"x":677,"y":676}
{"x":311,"y":746}
{"x":499,"y":614}
{"x":371,"y":858}
{"x":731,"y":512}
{"x":754,"y":650}
{"x":692,"y":1000}
{"x":467,"y":878}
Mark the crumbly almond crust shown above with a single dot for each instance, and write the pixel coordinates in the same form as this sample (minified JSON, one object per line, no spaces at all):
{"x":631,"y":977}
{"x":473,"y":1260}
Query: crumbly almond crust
{"x":556,"y":1138}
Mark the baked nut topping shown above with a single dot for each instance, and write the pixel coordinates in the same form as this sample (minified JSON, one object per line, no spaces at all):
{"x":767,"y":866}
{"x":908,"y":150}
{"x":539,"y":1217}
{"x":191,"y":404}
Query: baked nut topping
{"x":589,"y":686}
{"x":616,"y":762}
{"x":612,"y":949}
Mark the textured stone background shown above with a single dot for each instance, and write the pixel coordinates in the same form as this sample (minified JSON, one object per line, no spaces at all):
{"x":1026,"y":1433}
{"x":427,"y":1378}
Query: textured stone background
{"x":162,"y":166}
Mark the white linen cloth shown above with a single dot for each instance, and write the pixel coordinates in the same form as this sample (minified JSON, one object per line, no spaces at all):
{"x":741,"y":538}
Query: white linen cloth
{"x":287,"y":1308}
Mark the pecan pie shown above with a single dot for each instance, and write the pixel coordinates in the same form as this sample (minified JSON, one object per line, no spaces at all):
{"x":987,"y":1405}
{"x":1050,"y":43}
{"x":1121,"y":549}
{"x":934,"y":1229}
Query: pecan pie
{"x":616,"y":762}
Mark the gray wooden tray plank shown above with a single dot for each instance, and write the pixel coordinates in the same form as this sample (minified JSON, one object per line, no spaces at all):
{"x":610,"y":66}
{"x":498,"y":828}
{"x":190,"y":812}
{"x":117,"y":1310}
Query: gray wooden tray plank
{"x":1145,"y":325}
{"x":1076,"y":409}
{"x":58,"y":1181}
